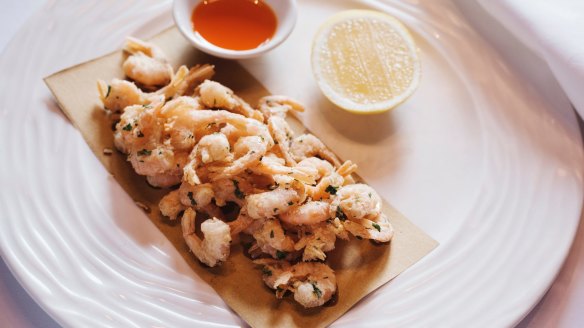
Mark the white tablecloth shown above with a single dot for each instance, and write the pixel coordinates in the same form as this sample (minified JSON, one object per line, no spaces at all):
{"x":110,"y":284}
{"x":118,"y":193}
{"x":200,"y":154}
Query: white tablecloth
{"x":554,"y":30}
{"x":562,"y":306}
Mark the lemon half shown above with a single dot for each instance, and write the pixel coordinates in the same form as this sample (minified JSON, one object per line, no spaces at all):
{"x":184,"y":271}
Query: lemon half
{"x":365,"y":61}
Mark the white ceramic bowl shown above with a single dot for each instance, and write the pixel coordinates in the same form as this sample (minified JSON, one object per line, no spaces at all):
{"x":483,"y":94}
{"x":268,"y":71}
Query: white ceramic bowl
{"x":285,"y":10}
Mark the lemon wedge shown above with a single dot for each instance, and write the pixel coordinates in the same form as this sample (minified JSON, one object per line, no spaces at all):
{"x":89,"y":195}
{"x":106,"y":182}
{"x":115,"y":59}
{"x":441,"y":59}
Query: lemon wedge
{"x":365,"y":61}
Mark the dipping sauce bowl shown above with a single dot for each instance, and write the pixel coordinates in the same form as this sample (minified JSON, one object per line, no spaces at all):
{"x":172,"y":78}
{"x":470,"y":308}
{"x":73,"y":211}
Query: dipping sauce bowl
{"x":235,"y":29}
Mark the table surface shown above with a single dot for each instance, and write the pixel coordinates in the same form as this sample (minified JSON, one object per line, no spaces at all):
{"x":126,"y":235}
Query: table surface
{"x":560,"y":307}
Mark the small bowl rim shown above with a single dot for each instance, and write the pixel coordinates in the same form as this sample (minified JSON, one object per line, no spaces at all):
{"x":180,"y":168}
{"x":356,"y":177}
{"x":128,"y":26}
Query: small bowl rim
{"x":281,"y":34}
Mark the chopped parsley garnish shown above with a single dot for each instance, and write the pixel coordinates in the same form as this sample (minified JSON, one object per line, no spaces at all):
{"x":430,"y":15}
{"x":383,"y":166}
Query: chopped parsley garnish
{"x":331,"y":190}
{"x":128,"y":127}
{"x":147,"y":106}
{"x":281,"y":255}
{"x":144,"y":152}
{"x":109,"y":89}
{"x":272,"y":234}
{"x":340,"y":214}
{"x":267,"y":272}
{"x":376,"y":226}
{"x":192,"y":199}
{"x":369,"y":195}
{"x":290,"y":203}
{"x":316,"y":291}
{"x":140,"y":134}
{"x":238,"y":193}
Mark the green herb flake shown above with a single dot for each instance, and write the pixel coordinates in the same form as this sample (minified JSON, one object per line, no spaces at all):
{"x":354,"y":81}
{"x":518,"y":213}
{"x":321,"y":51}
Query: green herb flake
{"x":109,"y":90}
{"x":369,"y":195}
{"x":191,"y":198}
{"x":238,"y":193}
{"x":128,"y":127}
{"x":316,"y":291}
{"x":331,"y":190}
{"x":266,"y":272}
{"x":280,"y":255}
{"x":376,"y":226}
{"x":140,"y":134}
{"x":272,"y":234}
{"x":144,"y":152}
{"x":290,"y":203}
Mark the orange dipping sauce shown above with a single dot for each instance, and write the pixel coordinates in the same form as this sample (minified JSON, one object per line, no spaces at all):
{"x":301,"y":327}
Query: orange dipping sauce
{"x":234,"y":24}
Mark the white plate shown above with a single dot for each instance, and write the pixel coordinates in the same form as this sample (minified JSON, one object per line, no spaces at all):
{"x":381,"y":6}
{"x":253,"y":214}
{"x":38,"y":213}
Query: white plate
{"x":476,"y":158}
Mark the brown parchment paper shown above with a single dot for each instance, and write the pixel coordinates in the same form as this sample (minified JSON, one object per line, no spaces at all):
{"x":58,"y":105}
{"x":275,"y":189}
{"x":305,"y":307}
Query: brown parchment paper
{"x":360,"y":266}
